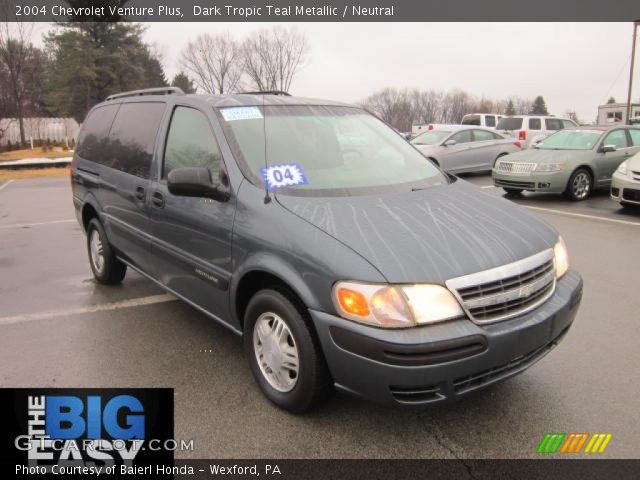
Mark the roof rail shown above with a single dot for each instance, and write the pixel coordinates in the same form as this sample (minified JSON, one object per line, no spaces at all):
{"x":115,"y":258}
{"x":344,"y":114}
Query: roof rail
{"x":268,"y":92}
{"x":147,"y":91}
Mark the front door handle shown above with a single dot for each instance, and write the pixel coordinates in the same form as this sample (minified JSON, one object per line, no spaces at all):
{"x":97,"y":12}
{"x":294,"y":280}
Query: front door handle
{"x":140,"y":193}
{"x":158,"y":199}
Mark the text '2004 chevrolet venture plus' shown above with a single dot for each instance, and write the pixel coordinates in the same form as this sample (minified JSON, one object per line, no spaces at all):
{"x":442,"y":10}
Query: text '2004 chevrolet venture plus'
{"x":343,"y":256}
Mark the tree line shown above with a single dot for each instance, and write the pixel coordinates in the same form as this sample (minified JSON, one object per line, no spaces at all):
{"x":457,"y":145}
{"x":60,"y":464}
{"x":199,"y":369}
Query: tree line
{"x":405,"y":107}
{"x":82,"y":63}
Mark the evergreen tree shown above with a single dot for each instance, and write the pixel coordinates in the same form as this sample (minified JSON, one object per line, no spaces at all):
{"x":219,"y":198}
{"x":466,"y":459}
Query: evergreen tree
{"x":611,"y":100}
{"x":511,"y":109}
{"x":539,"y":106}
{"x":182,"y":80}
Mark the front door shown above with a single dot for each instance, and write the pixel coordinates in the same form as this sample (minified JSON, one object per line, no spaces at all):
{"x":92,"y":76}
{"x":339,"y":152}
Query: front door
{"x":192,"y":236}
{"x":607,"y":162}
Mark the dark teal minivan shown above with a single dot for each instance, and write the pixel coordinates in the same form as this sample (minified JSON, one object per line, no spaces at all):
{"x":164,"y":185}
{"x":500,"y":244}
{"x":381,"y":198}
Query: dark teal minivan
{"x":310,"y":227}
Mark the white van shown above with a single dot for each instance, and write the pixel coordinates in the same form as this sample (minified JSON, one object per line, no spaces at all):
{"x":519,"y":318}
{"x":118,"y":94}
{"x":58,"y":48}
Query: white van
{"x":530,"y":129}
{"x":486,"y":120}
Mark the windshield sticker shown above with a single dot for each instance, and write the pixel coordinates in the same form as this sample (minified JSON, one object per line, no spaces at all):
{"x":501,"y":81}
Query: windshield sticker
{"x":240,"y":113}
{"x":280,"y":176}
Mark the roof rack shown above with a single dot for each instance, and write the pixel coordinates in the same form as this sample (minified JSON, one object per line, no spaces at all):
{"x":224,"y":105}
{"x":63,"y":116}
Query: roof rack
{"x":147,"y":91}
{"x":268,"y":92}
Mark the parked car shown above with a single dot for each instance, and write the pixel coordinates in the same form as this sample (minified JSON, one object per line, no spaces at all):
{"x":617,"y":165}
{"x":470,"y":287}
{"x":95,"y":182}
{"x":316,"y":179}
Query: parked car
{"x":458,"y":148}
{"x":573,"y":161}
{"x":486,"y":120}
{"x":360,"y":266}
{"x":625,"y":186}
{"x":530,"y":129}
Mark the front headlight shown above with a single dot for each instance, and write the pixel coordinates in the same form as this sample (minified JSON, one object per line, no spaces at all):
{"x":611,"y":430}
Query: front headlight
{"x":550,"y":167}
{"x":395,"y":306}
{"x":560,"y":258}
{"x":623,"y":168}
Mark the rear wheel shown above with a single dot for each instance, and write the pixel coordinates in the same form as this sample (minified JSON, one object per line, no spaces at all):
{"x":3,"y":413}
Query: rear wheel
{"x":579,"y":186}
{"x":283,"y":353}
{"x":107,"y":269}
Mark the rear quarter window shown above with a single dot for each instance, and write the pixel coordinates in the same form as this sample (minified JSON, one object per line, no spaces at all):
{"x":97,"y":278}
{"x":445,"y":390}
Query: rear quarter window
{"x":132,"y":137}
{"x":553,"y":124}
{"x":93,"y":139}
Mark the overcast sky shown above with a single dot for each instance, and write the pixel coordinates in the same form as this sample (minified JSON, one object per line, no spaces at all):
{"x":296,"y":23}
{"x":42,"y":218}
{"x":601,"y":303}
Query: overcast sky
{"x":575,"y":66}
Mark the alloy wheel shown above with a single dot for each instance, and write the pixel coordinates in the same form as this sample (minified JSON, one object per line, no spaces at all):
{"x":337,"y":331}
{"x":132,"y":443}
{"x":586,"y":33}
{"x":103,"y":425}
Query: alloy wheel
{"x":97,"y":251}
{"x":276,"y":352}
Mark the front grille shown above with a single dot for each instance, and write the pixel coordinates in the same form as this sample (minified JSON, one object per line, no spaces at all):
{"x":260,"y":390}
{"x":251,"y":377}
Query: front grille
{"x":631,"y":194}
{"x":516,"y":167}
{"x":511,"y":184}
{"x":507,"y":291}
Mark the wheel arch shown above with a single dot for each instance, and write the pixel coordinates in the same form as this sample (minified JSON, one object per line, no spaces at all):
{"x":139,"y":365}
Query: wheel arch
{"x":90,"y":209}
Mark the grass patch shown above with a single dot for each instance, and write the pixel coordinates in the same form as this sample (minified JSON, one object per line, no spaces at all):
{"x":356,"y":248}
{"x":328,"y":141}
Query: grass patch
{"x":34,"y":173}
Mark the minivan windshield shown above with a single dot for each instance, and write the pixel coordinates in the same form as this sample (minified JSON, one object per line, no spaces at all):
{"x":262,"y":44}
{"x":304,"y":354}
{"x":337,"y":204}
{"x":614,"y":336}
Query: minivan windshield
{"x":571,"y":140}
{"x":324,"y":150}
{"x":432,"y":137}
{"x":509,"y":123}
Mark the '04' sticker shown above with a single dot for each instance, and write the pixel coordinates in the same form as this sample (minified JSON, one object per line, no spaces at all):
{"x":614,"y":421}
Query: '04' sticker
{"x":280,"y":176}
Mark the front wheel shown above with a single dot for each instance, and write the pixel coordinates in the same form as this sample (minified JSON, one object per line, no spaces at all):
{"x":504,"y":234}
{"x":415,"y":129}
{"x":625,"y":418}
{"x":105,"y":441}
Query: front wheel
{"x":284,"y":356}
{"x":107,"y":269}
{"x":579,"y":186}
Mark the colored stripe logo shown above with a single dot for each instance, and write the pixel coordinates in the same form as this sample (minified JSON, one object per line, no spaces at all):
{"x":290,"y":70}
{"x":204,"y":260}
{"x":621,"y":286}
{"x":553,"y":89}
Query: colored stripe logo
{"x":574,"y":443}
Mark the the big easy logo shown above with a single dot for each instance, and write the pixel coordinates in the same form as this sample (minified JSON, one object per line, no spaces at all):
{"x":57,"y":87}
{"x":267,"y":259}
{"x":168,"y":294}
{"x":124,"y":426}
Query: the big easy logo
{"x":85,"y":426}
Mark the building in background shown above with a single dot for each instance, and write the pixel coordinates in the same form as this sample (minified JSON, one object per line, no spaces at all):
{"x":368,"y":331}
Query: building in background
{"x":616,"y":112}
{"x":39,"y":129}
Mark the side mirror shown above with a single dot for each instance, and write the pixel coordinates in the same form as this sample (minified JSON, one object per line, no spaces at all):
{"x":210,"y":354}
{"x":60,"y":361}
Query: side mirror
{"x":195,"y":182}
{"x":608,"y":148}
{"x":449,"y":143}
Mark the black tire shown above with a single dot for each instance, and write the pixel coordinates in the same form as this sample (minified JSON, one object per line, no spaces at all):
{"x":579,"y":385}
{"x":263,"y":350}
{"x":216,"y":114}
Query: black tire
{"x":577,"y":190}
{"x":512,"y":191}
{"x":312,"y":378}
{"x":111,"y":271}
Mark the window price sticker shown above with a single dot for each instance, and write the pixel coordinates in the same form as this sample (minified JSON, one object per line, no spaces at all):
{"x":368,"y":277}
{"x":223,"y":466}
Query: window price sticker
{"x":280,"y":176}
{"x":240,"y":113}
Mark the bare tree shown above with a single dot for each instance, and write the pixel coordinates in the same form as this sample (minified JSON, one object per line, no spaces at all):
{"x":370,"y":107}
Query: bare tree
{"x":272,"y":57}
{"x":428,"y":106}
{"x":15,"y":49}
{"x":396,"y":107}
{"x":456,"y":105}
{"x":215,"y":62}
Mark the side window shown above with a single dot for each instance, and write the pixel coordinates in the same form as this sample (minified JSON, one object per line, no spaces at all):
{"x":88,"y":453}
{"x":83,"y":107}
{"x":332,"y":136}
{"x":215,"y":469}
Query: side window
{"x":553,"y":124}
{"x":462,"y":137}
{"x":92,"y":141}
{"x":483,"y":135}
{"x":568,"y":124}
{"x":617,"y":138}
{"x":535,"y":124}
{"x":490,"y":121}
{"x":190,"y":143}
{"x":133,"y":137}
{"x":635,"y":137}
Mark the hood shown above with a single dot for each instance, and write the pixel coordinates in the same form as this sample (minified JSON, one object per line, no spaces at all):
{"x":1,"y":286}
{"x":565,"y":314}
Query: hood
{"x":534,"y":155}
{"x":429,"y":235}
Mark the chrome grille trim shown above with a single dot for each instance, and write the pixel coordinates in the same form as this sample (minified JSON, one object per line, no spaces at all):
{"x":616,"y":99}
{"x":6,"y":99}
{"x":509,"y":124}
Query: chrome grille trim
{"x":507,"y":291}
{"x":516,"y":167}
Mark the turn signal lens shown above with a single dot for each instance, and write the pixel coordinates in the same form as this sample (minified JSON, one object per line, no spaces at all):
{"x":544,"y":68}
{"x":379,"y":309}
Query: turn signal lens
{"x":353,"y":303}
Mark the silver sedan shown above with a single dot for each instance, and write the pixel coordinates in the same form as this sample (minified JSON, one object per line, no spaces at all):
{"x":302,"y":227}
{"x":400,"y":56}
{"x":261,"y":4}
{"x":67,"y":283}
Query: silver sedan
{"x":458,"y":148}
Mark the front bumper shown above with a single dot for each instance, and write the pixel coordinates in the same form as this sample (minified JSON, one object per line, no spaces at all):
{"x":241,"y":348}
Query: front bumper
{"x":424,"y":365}
{"x":549,"y":182}
{"x":625,"y":189}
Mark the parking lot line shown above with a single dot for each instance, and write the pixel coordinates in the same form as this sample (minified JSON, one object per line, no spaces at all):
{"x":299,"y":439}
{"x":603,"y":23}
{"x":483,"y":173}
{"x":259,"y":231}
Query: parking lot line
{"x":488,"y":186}
{"x":6,"y":184}
{"x":134,"y":302}
{"x":28,"y":225}
{"x":582,"y":215}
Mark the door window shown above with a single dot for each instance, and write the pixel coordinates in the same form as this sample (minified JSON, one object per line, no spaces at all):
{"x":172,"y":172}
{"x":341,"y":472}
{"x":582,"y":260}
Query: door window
{"x":462,"y":137}
{"x":617,"y":138}
{"x":490,"y":121}
{"x":635,"y":137}
{"x":553,"y":124}
{"x":483,"y":135}
{"x":535,"y":124}
{"x":191,"y":143}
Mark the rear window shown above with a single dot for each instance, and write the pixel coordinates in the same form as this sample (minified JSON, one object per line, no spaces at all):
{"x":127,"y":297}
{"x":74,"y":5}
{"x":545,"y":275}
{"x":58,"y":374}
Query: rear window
{"x":92,"y":142}
{"x":553,"y":124}
{"x":133,"y":136}
{"x":510,"y":123}
{"x":471,"y":120}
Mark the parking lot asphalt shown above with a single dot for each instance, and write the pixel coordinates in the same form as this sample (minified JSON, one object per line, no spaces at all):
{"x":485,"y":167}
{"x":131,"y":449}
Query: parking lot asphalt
{"x":58,"y":328}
